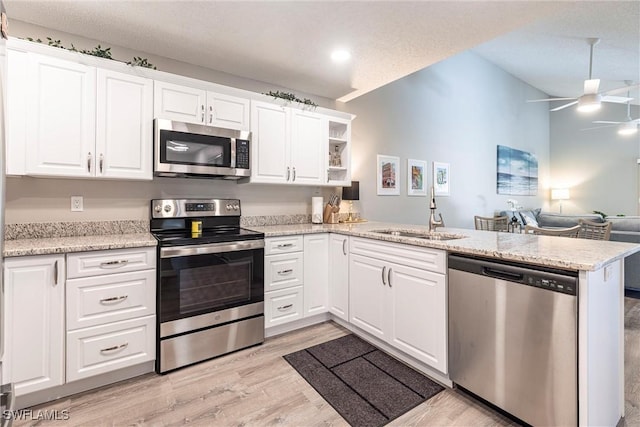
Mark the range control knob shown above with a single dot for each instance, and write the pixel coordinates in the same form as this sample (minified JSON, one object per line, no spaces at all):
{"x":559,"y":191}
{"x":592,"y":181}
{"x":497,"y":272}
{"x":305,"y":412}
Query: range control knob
{"x":157,"y":208}
{"x":236,"y":207}
{"x":229,"y":207}
{"x":167,"y":208}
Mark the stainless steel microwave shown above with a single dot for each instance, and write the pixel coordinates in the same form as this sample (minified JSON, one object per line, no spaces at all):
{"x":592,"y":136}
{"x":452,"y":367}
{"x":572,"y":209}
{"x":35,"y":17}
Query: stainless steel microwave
{"x":192,"y":150}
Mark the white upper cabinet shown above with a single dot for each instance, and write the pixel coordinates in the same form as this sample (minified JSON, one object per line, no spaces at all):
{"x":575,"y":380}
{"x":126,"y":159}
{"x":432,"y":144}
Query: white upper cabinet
{"x":194,"y":105}
{"x":68,"y":119}
{"x":61,"y":105}
{"x":289,"y":145}
{"x":270,"y":143}
{"x":124,"y":146}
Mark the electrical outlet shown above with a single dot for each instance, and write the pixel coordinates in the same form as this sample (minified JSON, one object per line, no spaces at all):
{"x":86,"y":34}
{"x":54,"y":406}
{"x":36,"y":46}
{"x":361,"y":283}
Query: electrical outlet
{"x":77,"y":204}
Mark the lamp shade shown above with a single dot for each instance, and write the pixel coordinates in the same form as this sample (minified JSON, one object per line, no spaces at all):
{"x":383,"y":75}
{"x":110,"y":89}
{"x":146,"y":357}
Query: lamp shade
{"x":560,"y":194}
{"x":351,"y":193}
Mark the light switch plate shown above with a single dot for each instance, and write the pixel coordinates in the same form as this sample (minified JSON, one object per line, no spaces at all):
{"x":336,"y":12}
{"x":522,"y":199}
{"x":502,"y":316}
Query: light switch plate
{"x":77,"y":204}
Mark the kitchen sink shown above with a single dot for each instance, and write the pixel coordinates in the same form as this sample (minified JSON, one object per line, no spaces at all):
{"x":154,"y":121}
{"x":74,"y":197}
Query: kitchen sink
{"x":421,"y":235}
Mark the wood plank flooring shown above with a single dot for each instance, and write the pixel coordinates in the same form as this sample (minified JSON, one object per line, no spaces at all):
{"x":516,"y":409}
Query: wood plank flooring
{"x":257,"y":386}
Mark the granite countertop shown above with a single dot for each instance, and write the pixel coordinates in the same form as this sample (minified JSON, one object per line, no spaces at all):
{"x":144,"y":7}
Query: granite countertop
{"x":549,"y":251}
{"x":62,"y":245}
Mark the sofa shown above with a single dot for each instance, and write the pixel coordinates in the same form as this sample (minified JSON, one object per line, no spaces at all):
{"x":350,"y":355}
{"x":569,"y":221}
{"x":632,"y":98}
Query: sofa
{"x":623,"y":229}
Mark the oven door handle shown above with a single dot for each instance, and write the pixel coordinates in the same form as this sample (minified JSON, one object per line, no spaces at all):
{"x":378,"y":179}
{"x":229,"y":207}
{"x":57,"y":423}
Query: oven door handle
{"x":210,"y":248}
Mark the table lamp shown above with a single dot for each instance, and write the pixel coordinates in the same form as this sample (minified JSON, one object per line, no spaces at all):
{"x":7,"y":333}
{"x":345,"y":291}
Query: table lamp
{"x":351,"y":193}
{"x":560,"y":194}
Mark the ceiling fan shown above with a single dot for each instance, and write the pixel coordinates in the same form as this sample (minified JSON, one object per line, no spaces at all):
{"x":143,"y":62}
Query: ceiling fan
{"x":591,"y":99}
{"x":627,"y":127}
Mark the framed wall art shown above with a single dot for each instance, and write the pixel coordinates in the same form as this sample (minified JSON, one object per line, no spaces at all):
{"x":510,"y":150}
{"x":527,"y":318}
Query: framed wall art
{"x":441,"y":179}
{"x":388,"y":169}
{"x":517,"y":172}
{"x":416,"y":174}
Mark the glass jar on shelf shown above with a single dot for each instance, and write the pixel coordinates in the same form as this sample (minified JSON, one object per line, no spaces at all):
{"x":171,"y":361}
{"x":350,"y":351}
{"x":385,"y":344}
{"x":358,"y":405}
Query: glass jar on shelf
{"x":335,"y":159}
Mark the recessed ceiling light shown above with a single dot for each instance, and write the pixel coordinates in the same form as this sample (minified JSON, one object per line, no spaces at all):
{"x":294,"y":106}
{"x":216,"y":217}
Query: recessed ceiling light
{"x":340,"y":55}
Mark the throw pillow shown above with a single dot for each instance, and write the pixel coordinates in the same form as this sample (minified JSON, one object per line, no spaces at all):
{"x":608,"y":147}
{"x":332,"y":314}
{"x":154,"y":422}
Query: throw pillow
{"x":529,"y":218}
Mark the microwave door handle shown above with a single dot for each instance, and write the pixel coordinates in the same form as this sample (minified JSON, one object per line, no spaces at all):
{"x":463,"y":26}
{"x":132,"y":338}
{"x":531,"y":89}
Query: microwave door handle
{"x":233,"y":153}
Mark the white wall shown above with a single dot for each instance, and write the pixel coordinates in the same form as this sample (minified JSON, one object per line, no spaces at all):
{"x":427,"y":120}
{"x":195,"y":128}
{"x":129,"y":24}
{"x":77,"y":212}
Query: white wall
{"x":598,"y":166}
{"x":457,"y":112}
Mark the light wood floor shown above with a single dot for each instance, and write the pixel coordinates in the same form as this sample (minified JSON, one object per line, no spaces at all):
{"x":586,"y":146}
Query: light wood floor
{"x":257,"y":386}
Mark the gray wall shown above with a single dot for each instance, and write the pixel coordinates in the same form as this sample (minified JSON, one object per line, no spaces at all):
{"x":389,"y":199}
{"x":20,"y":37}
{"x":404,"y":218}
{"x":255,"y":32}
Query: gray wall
{"x":457,"y":112}
{"x":598,"y":166}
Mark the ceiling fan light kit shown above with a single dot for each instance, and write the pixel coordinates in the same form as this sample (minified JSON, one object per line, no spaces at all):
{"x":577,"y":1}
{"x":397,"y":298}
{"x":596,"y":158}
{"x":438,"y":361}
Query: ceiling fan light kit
{"x":589,"y":103}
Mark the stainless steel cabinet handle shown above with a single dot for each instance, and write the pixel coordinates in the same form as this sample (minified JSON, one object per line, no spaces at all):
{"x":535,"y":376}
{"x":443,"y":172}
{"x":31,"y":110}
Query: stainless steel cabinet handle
{"x":101,"y":161}
{"x":55,"y":273}
{"x":113,"y":300}
{"x":327,"y":175}
{"x":210,"y":114}
{"x":284,"y":272}
{"x":344,"y":247}
{"x":285,"y":307}
{"x":389,"y":277}
{"x":384,"y":269}
{"x":89,"y":158}
{"x":114,"y":264}
{"x":202,"y":117}
{"x":288,"y":173}
{"x":294,"y":174}
{"x":284,"y":245}
{"x":115,"y":348}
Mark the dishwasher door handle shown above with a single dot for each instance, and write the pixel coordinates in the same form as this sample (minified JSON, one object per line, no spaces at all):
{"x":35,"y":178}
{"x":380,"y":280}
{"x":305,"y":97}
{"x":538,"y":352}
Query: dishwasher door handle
{"x":501,"y":274}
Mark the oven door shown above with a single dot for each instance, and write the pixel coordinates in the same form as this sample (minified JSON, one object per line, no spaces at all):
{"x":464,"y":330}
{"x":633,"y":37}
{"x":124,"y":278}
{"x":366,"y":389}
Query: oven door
{"x":204,"y":285}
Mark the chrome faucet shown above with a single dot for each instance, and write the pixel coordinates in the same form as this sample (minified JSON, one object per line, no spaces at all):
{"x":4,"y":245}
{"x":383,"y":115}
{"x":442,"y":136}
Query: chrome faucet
{"x":433,"y":222}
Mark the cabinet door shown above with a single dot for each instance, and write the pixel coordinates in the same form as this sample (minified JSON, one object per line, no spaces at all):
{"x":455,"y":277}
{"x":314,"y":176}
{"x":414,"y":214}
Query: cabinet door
{"x":227,"y":111}
{"x":417,"y":314}
{"x":339,"y":275}
{"x":34,"y":322}
{"x":123,"y":126}
{"x":368,"y":294}
{"x":270,"y":145}
{"x":316,"y":274}
{"x":61,"y":104}
{"x":16,"y":112}
{"x":309,"y":148}
{"x":180,"y":103}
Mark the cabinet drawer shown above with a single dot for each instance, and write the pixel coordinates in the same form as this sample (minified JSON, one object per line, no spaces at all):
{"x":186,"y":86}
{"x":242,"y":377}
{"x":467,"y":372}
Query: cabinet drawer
{"x":96,"y":300}
{"x":281,"y":245}
{"x":283,"y":306}
{"x":409,"y":255}
{"x":86,"y":264}
{"x":100,"y":349}
{"x":283,"y":271}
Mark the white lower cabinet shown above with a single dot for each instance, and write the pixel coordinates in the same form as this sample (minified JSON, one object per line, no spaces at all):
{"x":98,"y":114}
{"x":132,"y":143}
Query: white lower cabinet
{"x":398,"y":298}
{"x":111,"y":304}
{"x":339,"y":275}
{"x":296,"y":277}
{"x":34,"y":322}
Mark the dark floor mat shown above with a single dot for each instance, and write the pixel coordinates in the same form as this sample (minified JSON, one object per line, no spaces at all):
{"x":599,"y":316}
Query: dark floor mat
{"x":365,"y":385}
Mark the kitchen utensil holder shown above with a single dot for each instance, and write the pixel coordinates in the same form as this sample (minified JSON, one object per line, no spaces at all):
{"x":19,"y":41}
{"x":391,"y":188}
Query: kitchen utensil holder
{"x":330,"y":215}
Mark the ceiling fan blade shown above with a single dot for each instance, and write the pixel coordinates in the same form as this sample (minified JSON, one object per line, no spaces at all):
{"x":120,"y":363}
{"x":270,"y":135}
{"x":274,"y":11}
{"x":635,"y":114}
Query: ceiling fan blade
{"x":606,"y":122}
{"x":600,"y":127}
{"x":616,"y":99}
{"x":564,"y":106}
{"x":591,"y":86}
{"x":549,"y":99}
{"x":621,"y":90}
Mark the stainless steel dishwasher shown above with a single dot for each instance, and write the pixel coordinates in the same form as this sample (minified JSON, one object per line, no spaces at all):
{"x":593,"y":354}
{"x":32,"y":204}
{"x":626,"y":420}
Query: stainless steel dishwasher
{"x":513,"y":338}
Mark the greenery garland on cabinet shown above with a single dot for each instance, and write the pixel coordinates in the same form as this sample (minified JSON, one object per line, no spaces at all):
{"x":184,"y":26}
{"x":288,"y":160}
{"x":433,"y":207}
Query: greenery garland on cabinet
{"x":291,"y":98}
{"x":98,"y":51}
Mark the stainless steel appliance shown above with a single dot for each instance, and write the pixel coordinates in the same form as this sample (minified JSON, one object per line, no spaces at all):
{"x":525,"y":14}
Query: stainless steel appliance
{"x":192,"y":150}
{"x":513,"y":338}
{"x":210,"y":281}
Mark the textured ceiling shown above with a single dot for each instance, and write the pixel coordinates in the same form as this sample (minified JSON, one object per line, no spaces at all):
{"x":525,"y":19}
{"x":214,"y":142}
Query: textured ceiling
{"x":288,"y":43}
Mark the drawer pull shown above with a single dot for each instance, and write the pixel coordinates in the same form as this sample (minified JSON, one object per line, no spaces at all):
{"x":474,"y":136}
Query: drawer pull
{"x":285,"y":307}
{"x":114,"y":264}
{"x":114,"y":300}
{"x":115,"y":348}
{"x":285,"y":245}
{"x":284,"y":272}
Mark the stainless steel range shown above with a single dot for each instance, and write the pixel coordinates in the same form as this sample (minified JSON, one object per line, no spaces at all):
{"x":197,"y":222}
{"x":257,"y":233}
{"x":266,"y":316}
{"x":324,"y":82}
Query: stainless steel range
{"x":210,"y":281}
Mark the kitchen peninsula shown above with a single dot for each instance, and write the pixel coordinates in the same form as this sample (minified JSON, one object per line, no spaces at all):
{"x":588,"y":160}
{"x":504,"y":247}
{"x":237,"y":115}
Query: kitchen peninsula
{"x":598,"y":264}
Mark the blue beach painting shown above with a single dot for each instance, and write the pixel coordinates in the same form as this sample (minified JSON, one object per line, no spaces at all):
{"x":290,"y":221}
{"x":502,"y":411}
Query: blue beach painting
{"x":517,"y":172}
